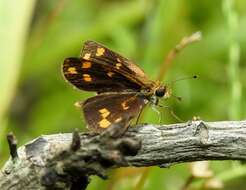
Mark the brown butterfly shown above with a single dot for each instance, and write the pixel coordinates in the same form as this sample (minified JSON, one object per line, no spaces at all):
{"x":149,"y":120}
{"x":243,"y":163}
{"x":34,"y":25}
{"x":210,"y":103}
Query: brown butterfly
{"x":123,"y":88}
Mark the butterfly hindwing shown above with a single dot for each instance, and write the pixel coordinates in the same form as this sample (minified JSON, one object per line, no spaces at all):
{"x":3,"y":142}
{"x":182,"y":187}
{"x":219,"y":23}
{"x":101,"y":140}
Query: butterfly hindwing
{"x":103,"y":110}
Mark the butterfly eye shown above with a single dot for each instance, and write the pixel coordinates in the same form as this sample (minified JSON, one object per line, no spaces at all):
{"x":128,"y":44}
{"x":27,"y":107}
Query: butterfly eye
{"x":160,"y":92}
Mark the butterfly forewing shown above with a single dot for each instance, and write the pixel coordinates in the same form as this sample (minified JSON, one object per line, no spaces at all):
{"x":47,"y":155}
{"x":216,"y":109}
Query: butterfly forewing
{"x":103,"y":110}
{"x":91,"y":76}
{"x":99,"y":54}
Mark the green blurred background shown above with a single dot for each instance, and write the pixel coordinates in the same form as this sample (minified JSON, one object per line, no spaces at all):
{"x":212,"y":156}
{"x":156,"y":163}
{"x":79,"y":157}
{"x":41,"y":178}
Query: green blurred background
{"x":36,"y":36}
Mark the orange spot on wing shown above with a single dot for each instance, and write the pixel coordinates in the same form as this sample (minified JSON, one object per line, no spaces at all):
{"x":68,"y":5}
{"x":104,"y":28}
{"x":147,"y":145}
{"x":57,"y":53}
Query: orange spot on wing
{"x":104,"y":112}
{"x":86,"y":65}
{"x":87,"y":78}
{"x":87,"y":56}
{"x":104,"y":123}
{"x":110,"y":74}
{"x":100,"y":51}
{"x":124,"y":106}
{"x":72,"y":70}
{"x":118,"y":119}
{"x":118,"y":65}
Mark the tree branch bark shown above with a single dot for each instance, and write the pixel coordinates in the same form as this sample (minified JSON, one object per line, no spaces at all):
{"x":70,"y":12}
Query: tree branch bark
{"x":65,"y":161}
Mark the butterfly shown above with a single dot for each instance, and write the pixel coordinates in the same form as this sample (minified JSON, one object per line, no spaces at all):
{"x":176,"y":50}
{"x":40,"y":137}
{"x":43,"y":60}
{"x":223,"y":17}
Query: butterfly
{"x":122,"y":87}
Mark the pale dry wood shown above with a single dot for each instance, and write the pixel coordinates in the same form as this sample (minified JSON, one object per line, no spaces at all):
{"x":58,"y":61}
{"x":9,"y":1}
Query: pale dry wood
{"x":160,"y":146}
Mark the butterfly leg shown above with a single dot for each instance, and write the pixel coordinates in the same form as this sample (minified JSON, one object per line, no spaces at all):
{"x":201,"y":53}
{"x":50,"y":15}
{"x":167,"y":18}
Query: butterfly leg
{"x":157,"y":111}
{"x":139,"y":117}
{"x":172,"y":113}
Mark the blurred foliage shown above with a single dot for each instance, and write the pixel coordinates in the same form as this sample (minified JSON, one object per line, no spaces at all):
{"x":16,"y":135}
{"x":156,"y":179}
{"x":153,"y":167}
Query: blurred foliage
{"x":36,"y":36}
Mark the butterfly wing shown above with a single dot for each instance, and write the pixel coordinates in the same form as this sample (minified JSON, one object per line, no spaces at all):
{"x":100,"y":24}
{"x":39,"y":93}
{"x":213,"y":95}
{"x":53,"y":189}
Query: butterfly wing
{"x":102,"y":55}
{"x":91,"y":76}
{"x":103,"y":110}
{"x":102,"y":70}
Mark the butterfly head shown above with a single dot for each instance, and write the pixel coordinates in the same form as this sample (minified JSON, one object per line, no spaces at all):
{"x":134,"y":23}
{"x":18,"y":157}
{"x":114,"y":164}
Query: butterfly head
{"x":163,"y":91}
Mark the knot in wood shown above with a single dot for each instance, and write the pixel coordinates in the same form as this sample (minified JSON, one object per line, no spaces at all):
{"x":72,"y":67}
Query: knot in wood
{"x":201,"y":131}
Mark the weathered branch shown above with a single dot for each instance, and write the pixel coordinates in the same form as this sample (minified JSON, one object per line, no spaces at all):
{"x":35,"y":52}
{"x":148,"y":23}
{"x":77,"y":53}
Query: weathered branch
{"x":62,"y":161}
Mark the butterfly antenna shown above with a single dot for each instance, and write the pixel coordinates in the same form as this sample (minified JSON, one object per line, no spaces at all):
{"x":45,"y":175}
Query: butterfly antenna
{"x":180,"y":79}
{"x":179,"y":98}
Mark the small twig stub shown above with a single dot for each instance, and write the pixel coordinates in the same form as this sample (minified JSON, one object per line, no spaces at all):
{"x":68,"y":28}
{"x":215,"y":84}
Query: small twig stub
{"x":12,"y":141}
